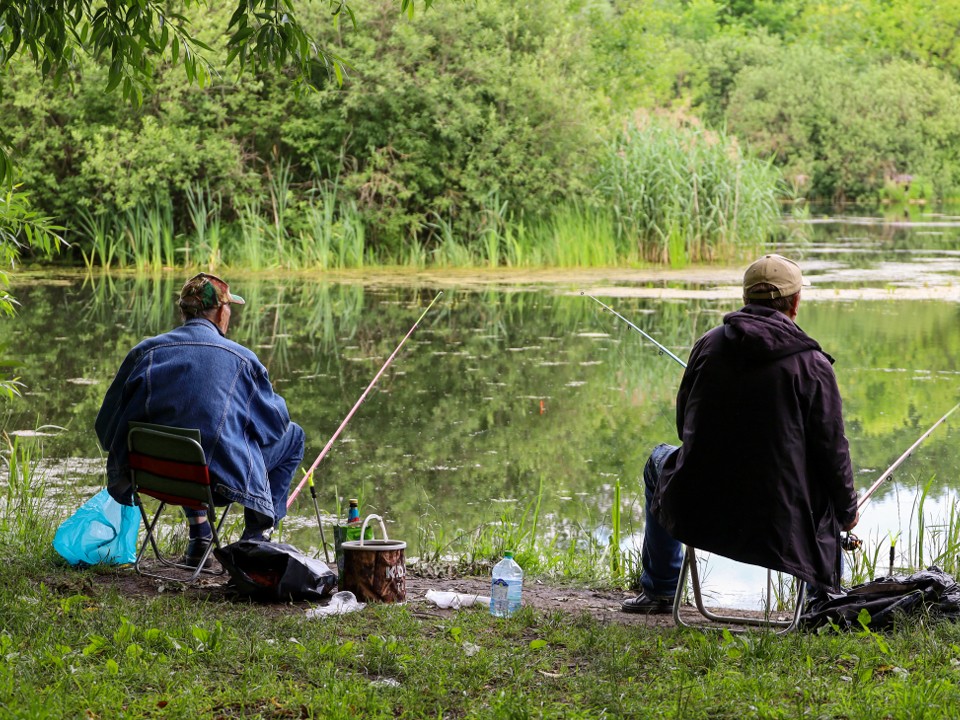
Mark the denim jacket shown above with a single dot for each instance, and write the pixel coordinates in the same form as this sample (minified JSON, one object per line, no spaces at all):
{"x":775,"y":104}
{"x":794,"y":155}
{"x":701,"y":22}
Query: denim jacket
{"x":194,"y":377}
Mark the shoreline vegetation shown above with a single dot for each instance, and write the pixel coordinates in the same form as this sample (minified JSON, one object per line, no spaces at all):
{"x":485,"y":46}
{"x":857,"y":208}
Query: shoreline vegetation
{"x":101,"y":643}
{"x":664,"y":207}
{"x":552,"y":133}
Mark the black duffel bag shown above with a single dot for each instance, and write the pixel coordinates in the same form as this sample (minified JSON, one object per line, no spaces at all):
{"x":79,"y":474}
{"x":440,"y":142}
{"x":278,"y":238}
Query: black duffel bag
{"x":275,"y":572}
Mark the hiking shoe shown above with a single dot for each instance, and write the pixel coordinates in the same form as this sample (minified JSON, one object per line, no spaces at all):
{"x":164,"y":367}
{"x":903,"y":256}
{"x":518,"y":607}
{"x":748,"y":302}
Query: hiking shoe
{"x":648,"y":605}
{"x":196,"y":549}
{"x":257,"y":535}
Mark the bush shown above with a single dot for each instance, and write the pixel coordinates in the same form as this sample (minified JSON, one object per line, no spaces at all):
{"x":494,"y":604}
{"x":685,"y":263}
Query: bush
{"x":841,"y":129}
{"x":441,"y":113}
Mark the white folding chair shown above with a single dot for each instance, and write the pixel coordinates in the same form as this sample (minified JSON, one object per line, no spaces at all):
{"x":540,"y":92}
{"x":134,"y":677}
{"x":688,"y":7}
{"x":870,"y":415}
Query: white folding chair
{"x":689,"y":568}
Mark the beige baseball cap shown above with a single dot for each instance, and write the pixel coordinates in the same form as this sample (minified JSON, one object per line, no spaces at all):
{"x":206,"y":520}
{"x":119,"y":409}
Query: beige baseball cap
{"x":774,"y":270}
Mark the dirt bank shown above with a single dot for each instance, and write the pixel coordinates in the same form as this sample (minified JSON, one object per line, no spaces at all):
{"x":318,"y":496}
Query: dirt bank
{"x":603,"y":605}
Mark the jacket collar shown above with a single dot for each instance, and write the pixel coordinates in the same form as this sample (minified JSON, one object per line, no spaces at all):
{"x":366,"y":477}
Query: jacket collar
{"x":203,"y":322}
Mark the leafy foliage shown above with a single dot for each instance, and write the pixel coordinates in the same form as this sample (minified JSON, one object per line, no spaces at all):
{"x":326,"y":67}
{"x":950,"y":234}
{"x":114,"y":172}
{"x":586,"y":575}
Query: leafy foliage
{"x":843,"y":130}
{"x":427,"y":130}
{"x":133,"y":37}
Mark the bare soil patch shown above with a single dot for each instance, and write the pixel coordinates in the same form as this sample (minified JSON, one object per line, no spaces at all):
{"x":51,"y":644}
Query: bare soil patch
{"x":601,"y":604}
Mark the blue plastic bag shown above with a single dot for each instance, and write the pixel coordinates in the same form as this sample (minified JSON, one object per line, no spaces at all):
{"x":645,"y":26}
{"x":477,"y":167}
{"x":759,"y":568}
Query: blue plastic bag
{"x":101,"y":531}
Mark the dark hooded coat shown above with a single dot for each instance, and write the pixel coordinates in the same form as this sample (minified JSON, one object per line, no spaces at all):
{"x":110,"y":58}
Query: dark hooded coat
{"x":763,"y":474}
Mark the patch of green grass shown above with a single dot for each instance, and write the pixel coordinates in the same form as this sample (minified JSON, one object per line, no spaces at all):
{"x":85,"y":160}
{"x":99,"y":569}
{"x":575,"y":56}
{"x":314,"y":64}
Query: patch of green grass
{"x":73,"y":646}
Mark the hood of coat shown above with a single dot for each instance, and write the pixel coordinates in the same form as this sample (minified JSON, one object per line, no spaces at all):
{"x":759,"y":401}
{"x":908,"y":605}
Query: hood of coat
{"x":765,"y":334}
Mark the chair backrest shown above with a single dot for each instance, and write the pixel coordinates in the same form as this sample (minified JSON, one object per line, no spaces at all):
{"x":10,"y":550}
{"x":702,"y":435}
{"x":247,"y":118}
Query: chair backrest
{"x":168,"y":463}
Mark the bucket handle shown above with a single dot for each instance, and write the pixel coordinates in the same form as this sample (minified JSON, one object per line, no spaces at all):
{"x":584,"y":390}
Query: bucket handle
{"x":363,"y":530}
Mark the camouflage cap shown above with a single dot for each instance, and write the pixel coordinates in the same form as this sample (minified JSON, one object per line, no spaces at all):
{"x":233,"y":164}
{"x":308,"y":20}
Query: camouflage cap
{"x":206,"y":292}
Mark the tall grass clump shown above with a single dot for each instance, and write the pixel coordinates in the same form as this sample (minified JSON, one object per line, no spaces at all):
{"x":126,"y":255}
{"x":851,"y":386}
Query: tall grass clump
{"x":335,"y":236}
{"x":150,"y":232}
{"x":576,"y":236}
{"x":205,"y":207}
{"x":105,"y":243}
{"x":23,"y":521}
{"x":448,"y":251}
{"x":680,"y":193}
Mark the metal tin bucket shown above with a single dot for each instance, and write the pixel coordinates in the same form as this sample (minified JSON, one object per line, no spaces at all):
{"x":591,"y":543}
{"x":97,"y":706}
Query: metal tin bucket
{"x":374,"y":570}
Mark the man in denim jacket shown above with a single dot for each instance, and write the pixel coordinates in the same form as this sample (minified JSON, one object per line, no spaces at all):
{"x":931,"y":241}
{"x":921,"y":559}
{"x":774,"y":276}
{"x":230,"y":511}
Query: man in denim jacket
{"x":195,"y":377}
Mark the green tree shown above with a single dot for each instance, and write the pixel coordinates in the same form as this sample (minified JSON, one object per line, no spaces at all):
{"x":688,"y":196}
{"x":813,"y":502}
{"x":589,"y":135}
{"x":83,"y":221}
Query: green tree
{"x":841,"y":129}
{"x":427,"y":128}
{"x":132,"y":38}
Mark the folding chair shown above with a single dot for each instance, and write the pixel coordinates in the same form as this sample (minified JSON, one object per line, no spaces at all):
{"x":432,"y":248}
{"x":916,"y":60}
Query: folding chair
{"x":168,"y":464}
{"x":689,"y":567}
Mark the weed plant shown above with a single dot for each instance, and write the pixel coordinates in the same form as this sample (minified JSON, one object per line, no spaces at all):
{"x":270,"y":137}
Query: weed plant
{"x":685,"y":194}
{"x":325,"y":231}
{"x":24,"y":519}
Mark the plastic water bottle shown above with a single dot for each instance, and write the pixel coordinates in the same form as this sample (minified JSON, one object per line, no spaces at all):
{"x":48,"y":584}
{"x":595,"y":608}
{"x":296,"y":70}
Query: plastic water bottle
{"x":506,"y":587}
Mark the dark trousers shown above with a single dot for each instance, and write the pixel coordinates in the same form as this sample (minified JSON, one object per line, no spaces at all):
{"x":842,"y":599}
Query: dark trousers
{"x":661,"y":555}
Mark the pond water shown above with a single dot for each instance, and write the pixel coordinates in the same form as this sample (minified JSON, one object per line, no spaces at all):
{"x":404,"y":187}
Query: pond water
{"x":515,"y":382}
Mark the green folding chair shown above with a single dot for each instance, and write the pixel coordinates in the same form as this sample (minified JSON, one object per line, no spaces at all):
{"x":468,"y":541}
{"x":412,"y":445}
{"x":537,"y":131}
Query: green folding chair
{"x":168,"y":464}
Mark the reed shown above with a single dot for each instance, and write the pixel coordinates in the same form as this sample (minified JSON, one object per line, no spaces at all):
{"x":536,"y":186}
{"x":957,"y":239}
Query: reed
{"x":101,"y":233}
{"x":685,"y":194}
{"x":24,"y":520}
{"x":278,"y":183}
{"x":205,"y":209}
{"x":493,"y":219}
{"x":322,"y":239}
{"x":248,"y":249}
{"x":150,"y":232}
{"x":449,"y":252}
{"x":352,"y":249}
{"x":577,"y":236}
{"x":519,"y":246}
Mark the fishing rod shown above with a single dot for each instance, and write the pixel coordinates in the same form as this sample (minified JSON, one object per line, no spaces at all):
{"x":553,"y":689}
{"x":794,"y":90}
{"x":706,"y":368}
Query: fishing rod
{"x":661,"y":347}
{"x":899,"y":461}
{"x":359,"y":402}
{"x":316,"y":509}
{"x":879,"y":481}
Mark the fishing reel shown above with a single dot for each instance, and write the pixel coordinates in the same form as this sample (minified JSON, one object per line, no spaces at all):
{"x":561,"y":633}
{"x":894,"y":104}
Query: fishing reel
{"x":850,"y":542}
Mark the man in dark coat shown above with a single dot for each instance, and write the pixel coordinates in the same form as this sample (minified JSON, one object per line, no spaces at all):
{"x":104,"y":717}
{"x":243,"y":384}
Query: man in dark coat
{"x":763,"y":473}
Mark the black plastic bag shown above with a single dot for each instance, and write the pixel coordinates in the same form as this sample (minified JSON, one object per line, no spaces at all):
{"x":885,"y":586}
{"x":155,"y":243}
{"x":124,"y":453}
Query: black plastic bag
{"x":931,"y":591}
{"x":275,"y":572}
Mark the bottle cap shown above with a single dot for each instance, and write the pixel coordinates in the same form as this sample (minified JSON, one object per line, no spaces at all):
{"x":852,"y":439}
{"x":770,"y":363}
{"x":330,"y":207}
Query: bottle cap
{"x":508,"y":554}
{"x":353,"y":501}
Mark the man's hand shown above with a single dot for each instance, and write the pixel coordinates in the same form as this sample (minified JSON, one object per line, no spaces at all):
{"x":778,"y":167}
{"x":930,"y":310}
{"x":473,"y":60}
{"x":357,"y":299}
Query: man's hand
{"x":852,"y":525}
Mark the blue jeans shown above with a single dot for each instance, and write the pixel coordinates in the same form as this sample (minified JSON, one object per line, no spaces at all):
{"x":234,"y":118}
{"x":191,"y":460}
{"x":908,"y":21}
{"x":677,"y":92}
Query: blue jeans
{"x":661,"y":555}
{"x":281,"y":460}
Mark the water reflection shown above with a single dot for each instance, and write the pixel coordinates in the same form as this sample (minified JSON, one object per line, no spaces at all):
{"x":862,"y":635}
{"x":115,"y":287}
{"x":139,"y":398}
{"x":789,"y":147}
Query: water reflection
{"x":502,"y":387}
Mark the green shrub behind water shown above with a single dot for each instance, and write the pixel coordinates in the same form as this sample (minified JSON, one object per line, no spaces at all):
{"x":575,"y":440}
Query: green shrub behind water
{"x":682,"y":193}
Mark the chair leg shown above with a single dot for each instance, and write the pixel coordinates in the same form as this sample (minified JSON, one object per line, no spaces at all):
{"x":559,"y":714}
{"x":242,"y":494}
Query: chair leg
{"x":150,"y":539}
{"x":215,"y":527}
{"x":681,"y":590}
{"x":689,"y":568}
